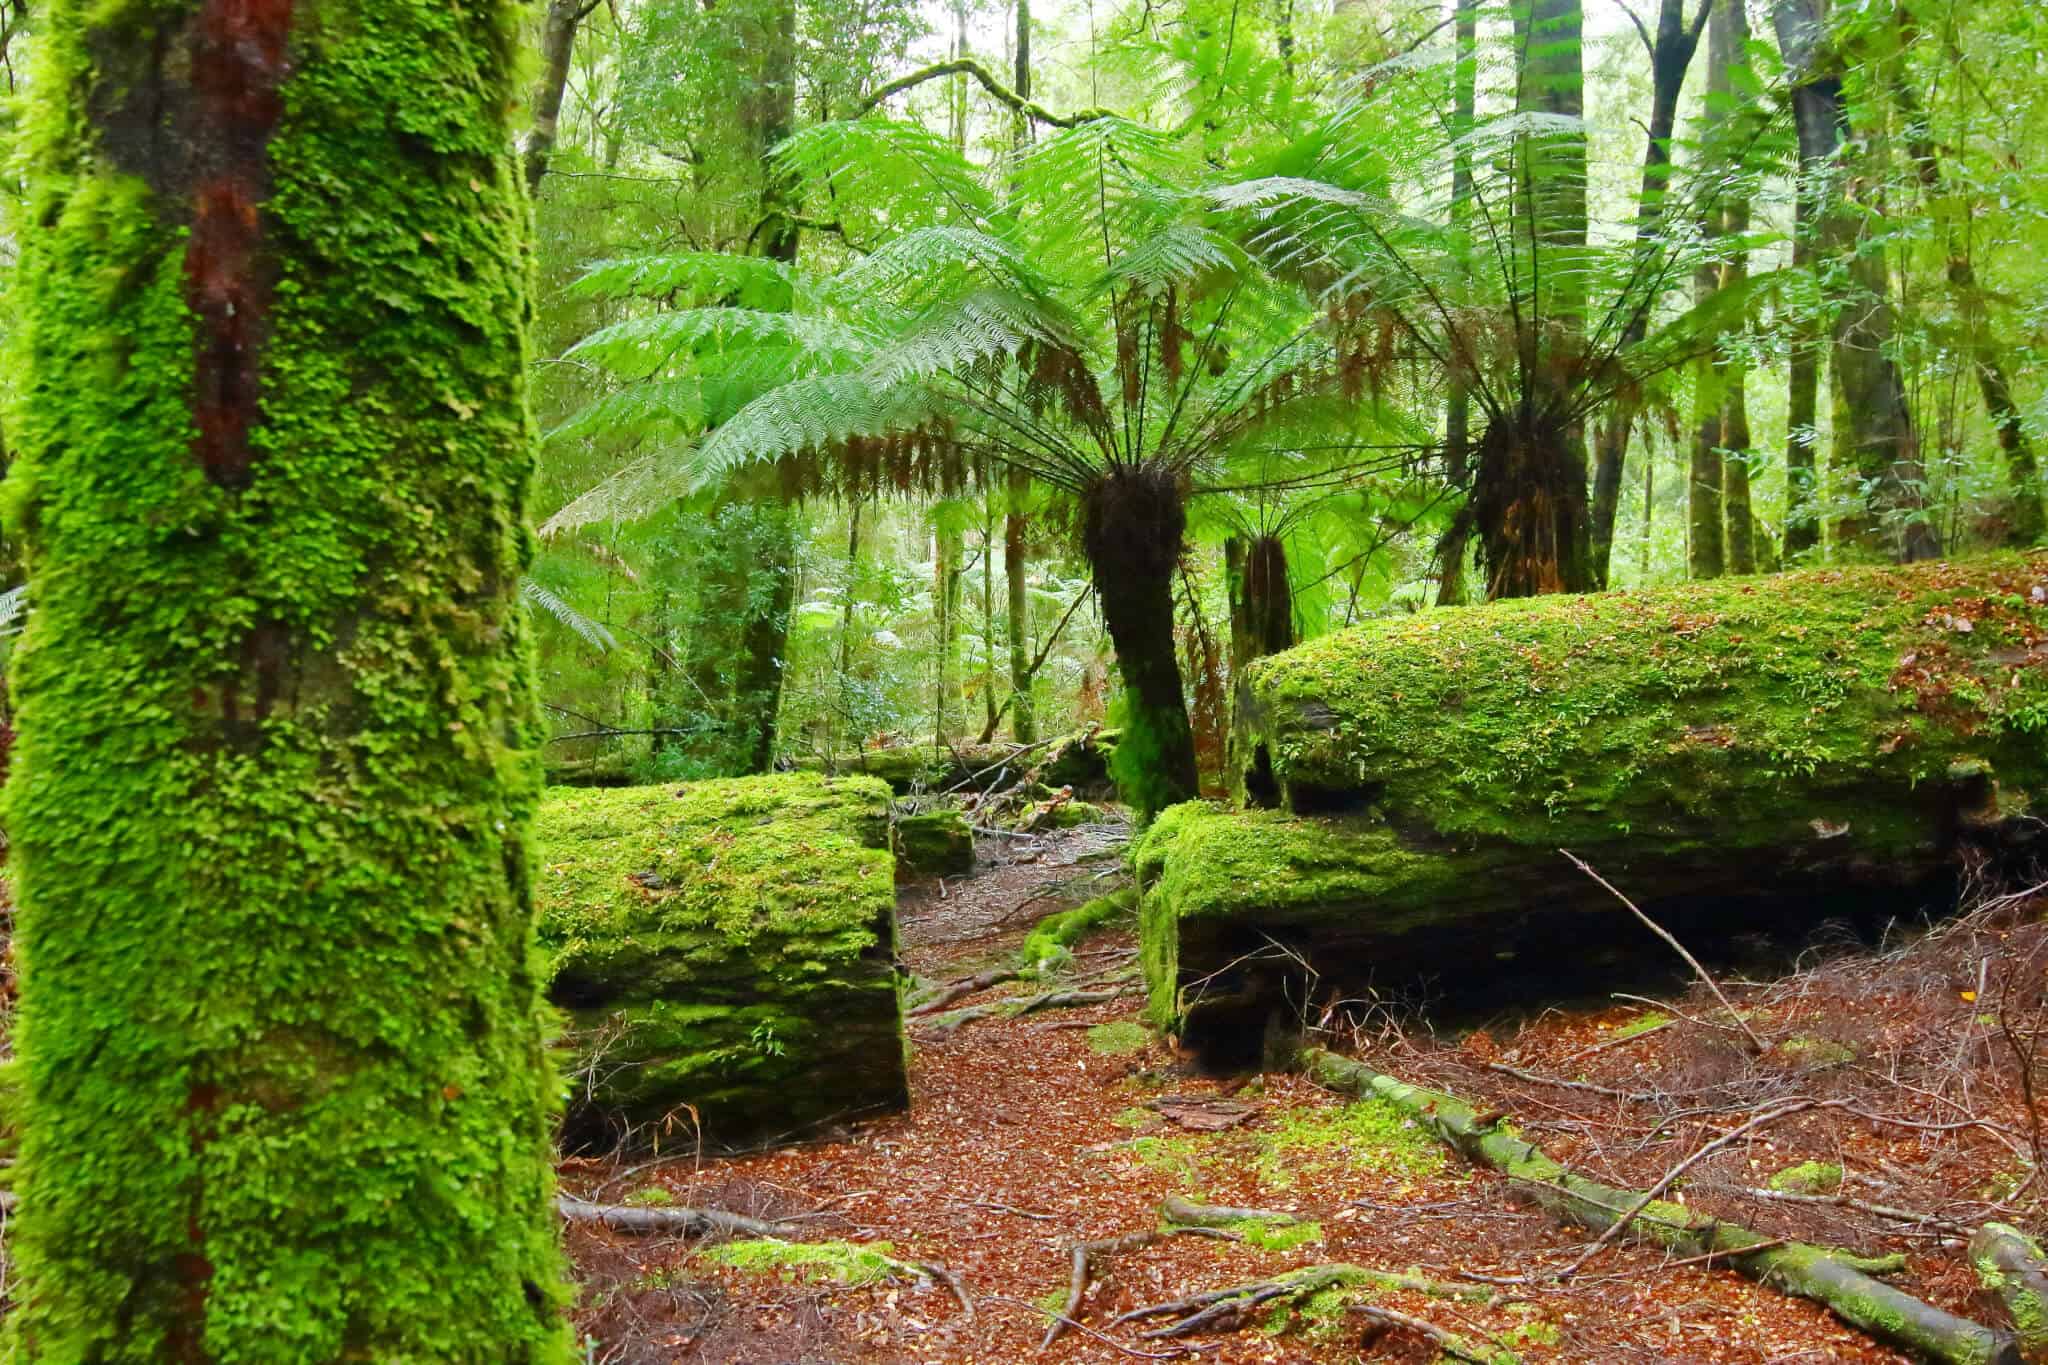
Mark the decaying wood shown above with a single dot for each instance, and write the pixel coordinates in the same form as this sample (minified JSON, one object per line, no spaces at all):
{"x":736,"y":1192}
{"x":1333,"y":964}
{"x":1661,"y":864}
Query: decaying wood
{"x":956,"y":990}
{"x":671,"y":1220}
{"x":1188,"y":1214}
{"x":1798,"y":1268}
{"x":2010,"y":1264}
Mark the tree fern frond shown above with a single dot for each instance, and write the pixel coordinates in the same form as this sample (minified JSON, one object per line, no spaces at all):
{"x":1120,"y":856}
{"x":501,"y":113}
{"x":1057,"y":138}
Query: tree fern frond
{"x":637,"y":347}
{"x":697,"y":276}
{"x":661,"y":408}
{"x":965,"y":332}
{"x":593,"y":632}
{"x":650,"y":481}
{"x":807,"y":415}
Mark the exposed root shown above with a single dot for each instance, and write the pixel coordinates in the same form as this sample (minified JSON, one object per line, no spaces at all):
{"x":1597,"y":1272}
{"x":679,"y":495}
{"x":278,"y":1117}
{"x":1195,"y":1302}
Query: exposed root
{"x":1083,"y":1257}
{"x":954,"y":991}
{"x":1226,"y":1309}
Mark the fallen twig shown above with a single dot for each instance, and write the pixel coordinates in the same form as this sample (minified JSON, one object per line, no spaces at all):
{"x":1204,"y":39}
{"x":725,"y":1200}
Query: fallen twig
{"x":1810,"y":1272}
{"x":1081,"y":1259}
{"x":956,"y":990}
{"x":1677,"y":947}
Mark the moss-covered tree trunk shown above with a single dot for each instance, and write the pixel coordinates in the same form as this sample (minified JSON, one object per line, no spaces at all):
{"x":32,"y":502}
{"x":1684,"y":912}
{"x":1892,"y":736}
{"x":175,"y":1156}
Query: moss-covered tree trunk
{"x":1016,"y":562}
{"x":286,"y":1094}
{"x":1261,"y":600}
{"x":1132,"y":521}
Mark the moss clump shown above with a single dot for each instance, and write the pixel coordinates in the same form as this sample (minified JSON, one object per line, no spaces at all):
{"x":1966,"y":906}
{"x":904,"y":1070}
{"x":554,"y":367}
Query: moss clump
{"x":1369,"y":1133}
{"x":1643,"y":1023}
{"x":286,"y":1097}
{"x":1052,"y":938}
{"x":845,"y":1263}
{"x":936,"y":843}
{"x":653,"y":1196}
{"x":1808,"y":1177}
{"x":1270,"y":1235}
{"x":1118,"y":1039}
{"x":906,"y":769}
{"x":1816,"y":1054}
{"x":726,"y":946}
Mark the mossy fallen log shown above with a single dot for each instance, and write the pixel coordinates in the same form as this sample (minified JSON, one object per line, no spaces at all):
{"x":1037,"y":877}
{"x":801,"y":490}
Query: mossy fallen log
{"x":1809,"y":1272}
{"x":2010,"y":1265}
{"x":933,"y":843}
{"x":1748,"y":754}
{"x":725,"y":952}
{"x":1079,"y":760}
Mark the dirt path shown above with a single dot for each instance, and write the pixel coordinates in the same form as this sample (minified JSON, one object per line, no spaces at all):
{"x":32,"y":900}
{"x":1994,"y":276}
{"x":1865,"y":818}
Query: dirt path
{"x":1029,"y":1134}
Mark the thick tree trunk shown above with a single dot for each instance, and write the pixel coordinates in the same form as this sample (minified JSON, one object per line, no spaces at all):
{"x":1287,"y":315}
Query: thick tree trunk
{"x":1802,"y":396}
{"x":557,"y":47}
{"x":1529,"y":505}
{"x":1727,"y":41}
{"x":1132,"y":522}
{"x":286,"y":1092}
{"x":1874,"y":423}
{"x":1809,"y":1272}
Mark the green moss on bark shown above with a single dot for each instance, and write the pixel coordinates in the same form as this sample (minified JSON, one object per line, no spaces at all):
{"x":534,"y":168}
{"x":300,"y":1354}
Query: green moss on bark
{"x":286,"y":1095}
{"x":724,"y":949}
{"x":934,"y":843}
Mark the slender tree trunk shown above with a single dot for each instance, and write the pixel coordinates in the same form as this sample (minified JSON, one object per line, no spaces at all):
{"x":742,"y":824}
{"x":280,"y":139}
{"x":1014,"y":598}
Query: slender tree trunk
{"x":757,"y":700}
{"x":1671,"y":55}
{"x":2026,"y":520}
{"x":1016,"y":537}
{"x":1706,"y":555}
{"x":287,"y":1097}
{"x":1451,"y":551}
{"x":991,"y":714}
{"x":557,"y":46}
{"x":1132,"y":522}
{"x":1875,"y":429}
{"x":1023,"y":718}
{"x":1727,"y":41}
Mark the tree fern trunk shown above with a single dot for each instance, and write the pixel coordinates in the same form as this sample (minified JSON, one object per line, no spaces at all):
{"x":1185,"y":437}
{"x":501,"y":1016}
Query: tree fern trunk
{"x":287,"y":1099}
{"x":1132,"y":521}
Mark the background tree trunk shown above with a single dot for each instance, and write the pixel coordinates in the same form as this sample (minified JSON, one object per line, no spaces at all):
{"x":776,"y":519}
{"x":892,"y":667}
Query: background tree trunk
{"x":1874,"y":427}
{"x":557,"y":46}
{"x":1671,"y":55}
{"x":1451,"y":551}
{"x":1261,"y":599}
{"x":286,"y":1092}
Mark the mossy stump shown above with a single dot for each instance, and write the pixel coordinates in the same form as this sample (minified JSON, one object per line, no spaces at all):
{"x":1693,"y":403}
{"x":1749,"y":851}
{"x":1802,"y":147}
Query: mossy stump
{"x":725,"y":953}
{"x":1752,"y":754}
{"x":933,"y":843}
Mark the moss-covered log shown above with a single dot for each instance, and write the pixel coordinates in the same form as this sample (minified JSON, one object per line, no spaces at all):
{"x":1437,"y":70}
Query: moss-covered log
{"x":934,"y":843}
{"x":286,"y":1094}
{"x":726,"y":954}
{"x":1748,"y":754}
{"x":2011,"y":1267}
{"x":1809,"y":1272}
{"x":1080,"y":761}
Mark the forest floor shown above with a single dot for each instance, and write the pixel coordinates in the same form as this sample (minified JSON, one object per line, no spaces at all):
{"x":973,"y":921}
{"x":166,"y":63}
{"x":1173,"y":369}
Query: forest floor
{"x":1031,"y":1133}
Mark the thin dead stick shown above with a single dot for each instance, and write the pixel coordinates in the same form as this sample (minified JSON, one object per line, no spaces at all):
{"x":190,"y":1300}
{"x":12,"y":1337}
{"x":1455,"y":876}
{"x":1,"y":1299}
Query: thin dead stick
{"x":1107,"y":1340}
{"x":1677,"y":947}
{"x":1656,"y":1191}
{"x":1449,"y":1343}
{"x":1621,"y":1041}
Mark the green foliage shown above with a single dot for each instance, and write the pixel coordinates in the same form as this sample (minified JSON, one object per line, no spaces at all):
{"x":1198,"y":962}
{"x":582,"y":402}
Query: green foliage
{"x":852,"y":1264}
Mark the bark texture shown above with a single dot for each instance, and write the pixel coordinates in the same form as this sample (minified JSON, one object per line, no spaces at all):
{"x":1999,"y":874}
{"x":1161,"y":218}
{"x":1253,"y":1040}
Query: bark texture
{"x":557,"y":47}
{"x":1132,"y":522}
{"x":287,"y":1099}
